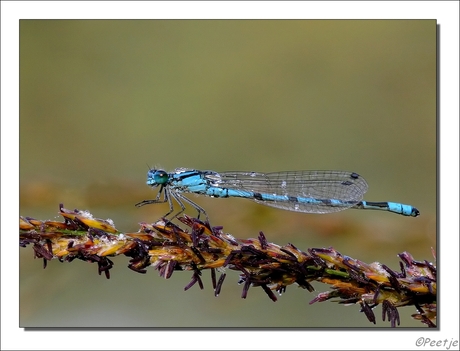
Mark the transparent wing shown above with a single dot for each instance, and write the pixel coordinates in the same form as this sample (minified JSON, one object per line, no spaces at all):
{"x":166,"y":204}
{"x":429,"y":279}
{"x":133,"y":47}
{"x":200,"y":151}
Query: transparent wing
{"x":347,"y":187}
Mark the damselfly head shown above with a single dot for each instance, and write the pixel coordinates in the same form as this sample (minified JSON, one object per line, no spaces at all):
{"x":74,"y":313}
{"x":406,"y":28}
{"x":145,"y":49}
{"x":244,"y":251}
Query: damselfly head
{"x":157,"y":177}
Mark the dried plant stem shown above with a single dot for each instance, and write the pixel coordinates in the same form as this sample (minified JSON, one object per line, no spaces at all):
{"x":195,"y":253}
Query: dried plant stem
{"x":168,"y":248}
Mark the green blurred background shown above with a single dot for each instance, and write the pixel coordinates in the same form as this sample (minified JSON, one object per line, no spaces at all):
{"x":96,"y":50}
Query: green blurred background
{"x":101,"y":100}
